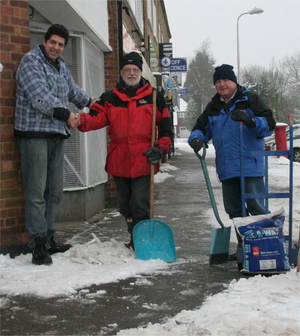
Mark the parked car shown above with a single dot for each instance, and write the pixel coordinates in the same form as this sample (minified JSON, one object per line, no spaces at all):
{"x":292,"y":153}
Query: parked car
{"x":270,"y":140}
{"x":271,"y":145}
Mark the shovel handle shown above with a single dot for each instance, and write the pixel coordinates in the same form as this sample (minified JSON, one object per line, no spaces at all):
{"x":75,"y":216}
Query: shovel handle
{"x":209,"y":188}
{"x":153,"y":145}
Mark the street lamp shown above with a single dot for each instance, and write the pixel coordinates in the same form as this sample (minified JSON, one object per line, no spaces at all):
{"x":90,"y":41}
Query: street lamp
{"x":252,"y":11}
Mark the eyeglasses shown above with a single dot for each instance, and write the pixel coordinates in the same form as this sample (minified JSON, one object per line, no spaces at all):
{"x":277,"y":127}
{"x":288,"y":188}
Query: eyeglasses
{"x":129,"y":70}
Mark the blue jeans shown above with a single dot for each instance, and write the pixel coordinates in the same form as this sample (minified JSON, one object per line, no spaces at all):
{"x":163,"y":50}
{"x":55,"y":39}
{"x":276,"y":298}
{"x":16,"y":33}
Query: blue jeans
{"x":232,"y":196}
{"x":42,"y":172}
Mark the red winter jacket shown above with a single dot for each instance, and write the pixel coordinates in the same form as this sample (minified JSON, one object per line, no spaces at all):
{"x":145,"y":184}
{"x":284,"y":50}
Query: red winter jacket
{"x":130,"y":124}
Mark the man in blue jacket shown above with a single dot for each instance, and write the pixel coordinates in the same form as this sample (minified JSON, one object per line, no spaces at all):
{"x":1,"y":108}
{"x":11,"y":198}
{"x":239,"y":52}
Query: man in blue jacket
{"x":220,"y":122}
{"x":44,"y":88}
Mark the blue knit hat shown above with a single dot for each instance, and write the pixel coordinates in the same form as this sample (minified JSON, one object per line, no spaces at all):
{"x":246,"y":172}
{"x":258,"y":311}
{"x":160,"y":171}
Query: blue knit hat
{"x":224,"y":71}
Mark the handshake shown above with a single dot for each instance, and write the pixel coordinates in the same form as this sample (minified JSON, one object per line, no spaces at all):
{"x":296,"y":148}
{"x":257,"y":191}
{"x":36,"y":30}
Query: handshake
{"x":74,"y":120}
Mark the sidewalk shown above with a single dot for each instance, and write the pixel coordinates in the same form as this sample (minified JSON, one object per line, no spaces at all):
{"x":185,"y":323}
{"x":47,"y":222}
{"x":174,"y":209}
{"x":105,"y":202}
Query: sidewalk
{"x":181,"y":202}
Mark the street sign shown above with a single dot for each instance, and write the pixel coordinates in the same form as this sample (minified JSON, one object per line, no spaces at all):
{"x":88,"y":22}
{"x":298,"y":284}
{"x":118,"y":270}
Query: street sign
{"x":178,"y":65}
{"x":165,"y":49}
{"x":182,"y":91}
{"x":176,"y":78}
{"x":165,"y":62}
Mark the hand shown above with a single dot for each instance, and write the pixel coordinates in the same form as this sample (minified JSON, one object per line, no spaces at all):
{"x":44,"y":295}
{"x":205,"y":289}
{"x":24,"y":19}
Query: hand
{"x":74,"y":120}
{"x":154,"y":155}
{"x":197,"y":144}
{"x":241,"y":115}
{"x":93,"y":99}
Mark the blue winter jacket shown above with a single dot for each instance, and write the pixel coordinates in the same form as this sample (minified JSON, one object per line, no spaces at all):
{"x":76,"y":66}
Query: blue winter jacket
{"x":215,"y":123}
{"x":40,"y":88}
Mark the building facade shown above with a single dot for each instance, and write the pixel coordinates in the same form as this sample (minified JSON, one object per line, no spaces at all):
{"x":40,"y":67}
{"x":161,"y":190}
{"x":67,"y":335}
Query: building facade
{"x":100,"y":34}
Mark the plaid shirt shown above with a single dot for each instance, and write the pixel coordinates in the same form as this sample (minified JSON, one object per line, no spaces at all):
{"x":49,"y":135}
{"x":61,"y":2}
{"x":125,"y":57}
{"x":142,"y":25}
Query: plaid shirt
{"x":40,"y":88}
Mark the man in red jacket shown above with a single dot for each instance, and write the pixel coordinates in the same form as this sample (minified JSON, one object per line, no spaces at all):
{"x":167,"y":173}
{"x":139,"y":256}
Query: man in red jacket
{"x":127,"y":110}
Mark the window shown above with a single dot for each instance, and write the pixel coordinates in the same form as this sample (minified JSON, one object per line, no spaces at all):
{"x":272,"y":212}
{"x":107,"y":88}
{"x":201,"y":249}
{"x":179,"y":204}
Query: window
{"x":149,"y":10}
{"x":154,"y":20}
{"x":136,"y":7}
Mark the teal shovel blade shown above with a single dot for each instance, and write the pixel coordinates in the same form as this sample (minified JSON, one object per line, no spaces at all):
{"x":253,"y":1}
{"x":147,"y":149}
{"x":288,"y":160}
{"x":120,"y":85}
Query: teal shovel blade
{"x":154,"y":239}
{"x":219,"y":245}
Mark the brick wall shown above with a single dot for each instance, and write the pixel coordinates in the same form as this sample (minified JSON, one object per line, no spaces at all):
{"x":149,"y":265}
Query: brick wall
{"x":111,"y":66}
{"x":15,"y":41}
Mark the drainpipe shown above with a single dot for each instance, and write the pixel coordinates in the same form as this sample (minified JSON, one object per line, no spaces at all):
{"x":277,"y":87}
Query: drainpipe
{"x":120,"y":29}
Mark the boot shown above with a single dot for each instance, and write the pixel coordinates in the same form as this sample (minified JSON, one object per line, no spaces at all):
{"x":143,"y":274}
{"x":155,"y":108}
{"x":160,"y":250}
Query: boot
{"x":57,"y":247}
{"x":131,"y":222}
{"x":40,"y":255}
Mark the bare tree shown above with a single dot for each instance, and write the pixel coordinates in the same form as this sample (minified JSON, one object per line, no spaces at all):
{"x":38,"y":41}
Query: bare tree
{"x":291,"y":65}
{"x":271,"y":85}
{"x":199,"y":82}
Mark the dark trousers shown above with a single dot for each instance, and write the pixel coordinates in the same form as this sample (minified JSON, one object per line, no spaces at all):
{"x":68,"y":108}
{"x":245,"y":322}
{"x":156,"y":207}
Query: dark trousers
{"x":134,"y":196}
{"x":232,"y":196}
{"x":42,"y":172}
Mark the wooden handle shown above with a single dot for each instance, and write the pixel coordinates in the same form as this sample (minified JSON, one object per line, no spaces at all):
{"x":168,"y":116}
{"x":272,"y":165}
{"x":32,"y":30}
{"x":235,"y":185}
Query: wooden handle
{"x":153,"y":145}
{"x":298,"y":259}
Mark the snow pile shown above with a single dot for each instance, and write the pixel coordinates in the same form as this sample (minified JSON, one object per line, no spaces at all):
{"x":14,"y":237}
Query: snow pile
{"x":83,"y":265}
{"x":254,"y":306}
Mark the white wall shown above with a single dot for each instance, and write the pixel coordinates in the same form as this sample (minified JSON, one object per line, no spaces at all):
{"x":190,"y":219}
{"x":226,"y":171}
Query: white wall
{"x":94,"y":13}
{"x":88,"y":17}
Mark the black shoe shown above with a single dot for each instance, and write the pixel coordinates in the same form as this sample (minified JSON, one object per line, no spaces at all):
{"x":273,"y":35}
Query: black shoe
{"x":232,"y":257}
{"x":57,"y":247}
{"x":40,"y":255}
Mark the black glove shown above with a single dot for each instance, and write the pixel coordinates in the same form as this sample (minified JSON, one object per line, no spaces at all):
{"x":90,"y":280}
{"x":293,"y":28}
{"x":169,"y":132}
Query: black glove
{"x":61,"y":113}
{"x":154,"y":155}
{"x":197,"y":144}
{"x":241,"y":115}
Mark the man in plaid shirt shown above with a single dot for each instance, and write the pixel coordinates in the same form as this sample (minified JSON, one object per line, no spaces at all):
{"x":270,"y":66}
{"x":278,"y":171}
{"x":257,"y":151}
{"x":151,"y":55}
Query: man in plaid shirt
{"x":44,"y":89}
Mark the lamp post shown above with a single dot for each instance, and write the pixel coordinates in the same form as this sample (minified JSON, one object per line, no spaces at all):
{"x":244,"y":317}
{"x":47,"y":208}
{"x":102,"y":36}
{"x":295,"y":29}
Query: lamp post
{"x":252,"y":11}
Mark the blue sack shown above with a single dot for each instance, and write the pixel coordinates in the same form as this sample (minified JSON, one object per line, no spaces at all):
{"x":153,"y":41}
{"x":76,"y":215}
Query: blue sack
{"x":264,"y":245}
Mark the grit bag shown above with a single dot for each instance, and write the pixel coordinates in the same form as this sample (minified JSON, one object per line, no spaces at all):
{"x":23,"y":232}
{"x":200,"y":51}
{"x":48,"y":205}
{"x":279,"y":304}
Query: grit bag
{"x":264,"y":245}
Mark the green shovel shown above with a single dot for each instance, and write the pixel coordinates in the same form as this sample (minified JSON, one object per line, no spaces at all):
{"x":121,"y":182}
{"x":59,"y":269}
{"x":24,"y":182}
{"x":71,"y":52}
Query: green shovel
{"x":220,"y":238}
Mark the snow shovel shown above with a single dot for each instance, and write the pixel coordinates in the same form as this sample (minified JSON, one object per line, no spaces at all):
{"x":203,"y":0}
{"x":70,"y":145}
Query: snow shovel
{"x":153,"y":239}
{"x":220,"y":238}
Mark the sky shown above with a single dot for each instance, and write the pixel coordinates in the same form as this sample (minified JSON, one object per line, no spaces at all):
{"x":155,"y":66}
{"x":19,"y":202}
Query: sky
{"x":270,"y":305}
{"x":273,"y":34}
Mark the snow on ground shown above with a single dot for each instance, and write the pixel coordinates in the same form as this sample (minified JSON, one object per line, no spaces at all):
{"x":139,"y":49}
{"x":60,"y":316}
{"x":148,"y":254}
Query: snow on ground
{"x":95,"y":262}
{"x":255,"y":306}
{"x":278,"y":174}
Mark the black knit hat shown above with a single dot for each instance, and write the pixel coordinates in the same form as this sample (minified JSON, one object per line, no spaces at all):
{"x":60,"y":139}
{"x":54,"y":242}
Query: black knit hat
{"x":224,"y":71}
{"x":132,"y":58}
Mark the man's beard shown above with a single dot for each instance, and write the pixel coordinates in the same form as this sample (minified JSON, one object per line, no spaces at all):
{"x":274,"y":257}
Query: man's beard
{"x":132,"y":83}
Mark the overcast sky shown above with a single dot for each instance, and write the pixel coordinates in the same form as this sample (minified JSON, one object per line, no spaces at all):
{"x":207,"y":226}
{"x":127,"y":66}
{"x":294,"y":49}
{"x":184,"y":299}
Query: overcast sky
{"x":274,"y":33}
